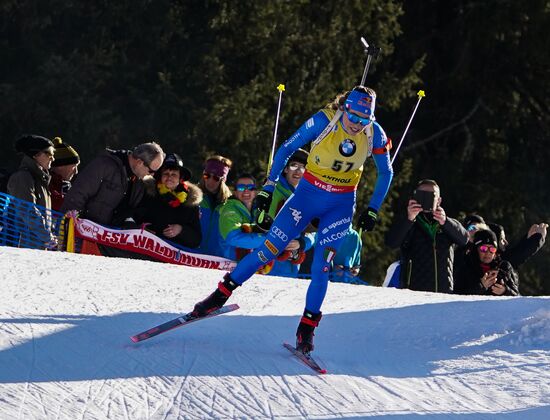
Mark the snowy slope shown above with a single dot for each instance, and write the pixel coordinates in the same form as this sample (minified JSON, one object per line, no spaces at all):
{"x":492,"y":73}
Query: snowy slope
{"x":65,"y":353}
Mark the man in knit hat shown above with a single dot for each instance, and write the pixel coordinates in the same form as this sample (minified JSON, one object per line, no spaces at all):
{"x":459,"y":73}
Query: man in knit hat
{"x":64,"y":168}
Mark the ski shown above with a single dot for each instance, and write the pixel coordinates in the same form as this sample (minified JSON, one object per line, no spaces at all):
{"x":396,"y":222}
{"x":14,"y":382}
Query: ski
{"x":307,"y":359}
{"x":179,"y":322}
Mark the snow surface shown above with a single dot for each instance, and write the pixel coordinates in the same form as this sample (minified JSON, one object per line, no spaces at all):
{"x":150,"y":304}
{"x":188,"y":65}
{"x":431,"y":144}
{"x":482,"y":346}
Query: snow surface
{"x":65,"y":352}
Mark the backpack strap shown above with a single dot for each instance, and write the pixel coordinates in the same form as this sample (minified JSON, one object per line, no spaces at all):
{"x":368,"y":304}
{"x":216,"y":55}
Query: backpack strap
{"x":328,"y":128}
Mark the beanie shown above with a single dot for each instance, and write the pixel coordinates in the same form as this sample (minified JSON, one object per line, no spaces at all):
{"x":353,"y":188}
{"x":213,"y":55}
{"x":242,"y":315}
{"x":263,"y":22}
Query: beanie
{"x":64,"y":154}
{"x":485,"y":237}
{"x":299,"y":156}
{"x":31,"y":144}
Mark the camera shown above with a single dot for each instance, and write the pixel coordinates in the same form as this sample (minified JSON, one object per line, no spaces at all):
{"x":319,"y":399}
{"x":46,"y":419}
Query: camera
{"x":426,"y":199}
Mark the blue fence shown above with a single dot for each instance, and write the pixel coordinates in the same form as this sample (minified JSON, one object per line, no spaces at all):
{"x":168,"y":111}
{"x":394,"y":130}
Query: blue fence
{"x":27,"y":225}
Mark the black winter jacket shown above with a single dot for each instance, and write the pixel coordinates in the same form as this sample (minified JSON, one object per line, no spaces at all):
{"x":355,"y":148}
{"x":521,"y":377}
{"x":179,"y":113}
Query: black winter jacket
{"x":519,"y":253}
{"x":426,"y":263}
{"x":106,"y":191}
{"x":159,"y":213}
{"x":468,"y":276}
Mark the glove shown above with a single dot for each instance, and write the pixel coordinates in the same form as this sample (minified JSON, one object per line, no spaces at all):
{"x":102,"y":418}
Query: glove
{"x":263,"y":222}
{"x":262,"y":202}
{"x":368,"y":219}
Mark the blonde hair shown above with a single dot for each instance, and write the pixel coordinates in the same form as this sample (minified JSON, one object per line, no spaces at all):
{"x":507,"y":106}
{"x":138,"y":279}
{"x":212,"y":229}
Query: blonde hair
{"x":224,"y":192}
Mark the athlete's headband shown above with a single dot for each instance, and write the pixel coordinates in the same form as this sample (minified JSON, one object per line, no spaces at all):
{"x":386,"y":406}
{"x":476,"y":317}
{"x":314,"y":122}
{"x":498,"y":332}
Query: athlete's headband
{"x":361,"y":102}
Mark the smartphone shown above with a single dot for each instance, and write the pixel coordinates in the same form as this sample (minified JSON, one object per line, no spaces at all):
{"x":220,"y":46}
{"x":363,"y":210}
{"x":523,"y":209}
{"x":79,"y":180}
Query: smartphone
{"x":426,"y":199}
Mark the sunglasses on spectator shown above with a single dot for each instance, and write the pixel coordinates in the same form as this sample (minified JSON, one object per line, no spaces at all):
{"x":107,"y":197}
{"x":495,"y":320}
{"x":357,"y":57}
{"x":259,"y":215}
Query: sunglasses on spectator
{"x":471,"y":228}
{"x":296,"y":166}
{"x":245,"y":187}
{"x":357,"y":119}
{"x":151,"y":171}
{"x":208,"y":176}
{"x":488,"y":248}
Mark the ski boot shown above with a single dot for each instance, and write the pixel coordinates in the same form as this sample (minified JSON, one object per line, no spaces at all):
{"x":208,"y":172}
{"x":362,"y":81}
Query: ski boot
{"x":304,"y":334}
{"x":217,"y":299}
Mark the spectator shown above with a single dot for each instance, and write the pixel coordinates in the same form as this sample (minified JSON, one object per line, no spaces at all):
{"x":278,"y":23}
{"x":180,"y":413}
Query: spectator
{"x":484,"y":272}
{"x":215,"y":194}
{"x":172,"y":208}
{"x":64,"y":168}
{"x":30,"y":183}
{"x":237,"y":228}
{"x":288,"y":262}
{"x":472,"y":223}
{"x":347,"y":262}
{"x":110,"y":187}
{"x":427,"y":239}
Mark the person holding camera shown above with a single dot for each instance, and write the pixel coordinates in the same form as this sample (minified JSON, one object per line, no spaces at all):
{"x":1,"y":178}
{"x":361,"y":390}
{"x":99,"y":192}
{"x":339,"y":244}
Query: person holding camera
{"x":484,"y":272}
{"x":427,"y":238}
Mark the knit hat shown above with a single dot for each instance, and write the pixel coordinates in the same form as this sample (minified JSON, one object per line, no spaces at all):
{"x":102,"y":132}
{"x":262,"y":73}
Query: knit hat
{"x":174,"y":161}
{"x":361,"y":102}
{"x":485,"y":237}
{"x":299,"y":156}
{"x":64,"y":154}
{"x":31,"y":144}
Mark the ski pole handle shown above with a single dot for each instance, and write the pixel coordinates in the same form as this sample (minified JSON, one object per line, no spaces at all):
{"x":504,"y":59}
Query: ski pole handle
{"x":420,"y":94}
{"x":371,"y":52}
{"x":281,"y":89}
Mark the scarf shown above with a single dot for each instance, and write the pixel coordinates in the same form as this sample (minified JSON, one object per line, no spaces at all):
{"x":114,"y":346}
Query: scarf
{"x":174,"y":198}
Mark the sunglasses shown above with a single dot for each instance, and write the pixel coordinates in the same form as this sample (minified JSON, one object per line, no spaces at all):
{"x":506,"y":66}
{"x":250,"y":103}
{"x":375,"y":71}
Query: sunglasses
{"x":471,"y":228}
{"x":151,"y":171}
{"x":488,"y":248}
{"x":208,"y":176}
{"x":245,"y":187}
{"x":296,"y":166}
{"x":357,"y":119}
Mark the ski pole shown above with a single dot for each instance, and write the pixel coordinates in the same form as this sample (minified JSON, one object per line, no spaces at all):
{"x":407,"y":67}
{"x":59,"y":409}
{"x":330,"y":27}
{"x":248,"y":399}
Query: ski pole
{"x":264,"y":220}
{"x":281,"y":89}
{"x":371,"y":52}
{"x":420,"y":94}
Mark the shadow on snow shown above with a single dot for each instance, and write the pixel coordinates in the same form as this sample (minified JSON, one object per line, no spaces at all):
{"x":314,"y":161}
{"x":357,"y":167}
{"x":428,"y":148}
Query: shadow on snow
{"x":396,"y":342}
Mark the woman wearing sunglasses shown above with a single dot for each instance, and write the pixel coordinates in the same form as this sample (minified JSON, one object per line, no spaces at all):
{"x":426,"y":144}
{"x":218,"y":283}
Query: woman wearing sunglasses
{"x":215,"y":195}
{"x":341,"y":137}
{"x":483,"y":272}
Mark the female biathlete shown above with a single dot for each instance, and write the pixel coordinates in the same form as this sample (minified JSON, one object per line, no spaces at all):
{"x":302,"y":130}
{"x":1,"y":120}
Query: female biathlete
{"x":342,"y":136}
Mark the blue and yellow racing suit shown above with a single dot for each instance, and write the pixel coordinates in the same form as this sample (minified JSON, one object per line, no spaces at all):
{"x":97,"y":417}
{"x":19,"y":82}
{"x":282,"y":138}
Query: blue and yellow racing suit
{"x":327,"y":191}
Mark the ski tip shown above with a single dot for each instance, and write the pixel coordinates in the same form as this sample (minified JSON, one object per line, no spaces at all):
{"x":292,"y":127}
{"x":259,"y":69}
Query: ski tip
{"x":134,"y":339}
{"x":322,"y":371}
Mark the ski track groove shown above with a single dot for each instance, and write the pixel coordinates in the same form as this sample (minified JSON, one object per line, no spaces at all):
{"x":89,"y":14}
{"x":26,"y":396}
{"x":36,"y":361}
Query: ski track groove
{"x":31,"y":370}
{"x":175,"y":398}
{"x":290,"y":395}
{"x":87,"y":401}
